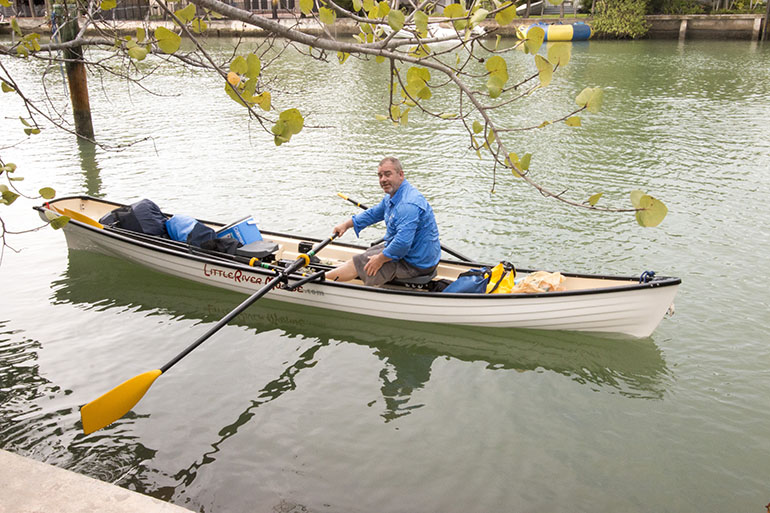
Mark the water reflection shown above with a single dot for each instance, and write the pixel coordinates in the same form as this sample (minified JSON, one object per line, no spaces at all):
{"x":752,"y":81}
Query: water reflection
{"x":91,"y":169}
{"x":34,"y":410}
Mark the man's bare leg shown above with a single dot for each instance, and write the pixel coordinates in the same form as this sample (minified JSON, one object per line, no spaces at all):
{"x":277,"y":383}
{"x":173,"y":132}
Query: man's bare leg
{"x":345,"y":272}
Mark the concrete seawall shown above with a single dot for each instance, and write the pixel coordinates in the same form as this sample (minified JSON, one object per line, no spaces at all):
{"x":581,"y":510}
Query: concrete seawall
{"x":28,"y":486}
{"x":696,"y":26}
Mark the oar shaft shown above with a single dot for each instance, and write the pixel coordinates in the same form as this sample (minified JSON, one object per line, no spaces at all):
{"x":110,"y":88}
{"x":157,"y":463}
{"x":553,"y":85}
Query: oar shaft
{"x":452,"y":252}
{"x":279,"y":277}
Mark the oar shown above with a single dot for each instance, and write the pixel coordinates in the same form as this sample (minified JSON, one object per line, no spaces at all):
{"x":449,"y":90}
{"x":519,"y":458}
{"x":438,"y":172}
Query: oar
{"x":452,"y":252}
{"x":77,"y":216}
{"x":117,"y":402}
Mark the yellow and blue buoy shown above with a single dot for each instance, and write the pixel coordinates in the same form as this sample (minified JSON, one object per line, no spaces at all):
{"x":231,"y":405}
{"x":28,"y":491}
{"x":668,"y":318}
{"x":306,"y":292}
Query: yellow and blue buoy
{"x":578,"y":31}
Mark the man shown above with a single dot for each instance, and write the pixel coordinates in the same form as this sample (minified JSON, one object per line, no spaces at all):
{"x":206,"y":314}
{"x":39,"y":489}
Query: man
{"x":411,"y":246}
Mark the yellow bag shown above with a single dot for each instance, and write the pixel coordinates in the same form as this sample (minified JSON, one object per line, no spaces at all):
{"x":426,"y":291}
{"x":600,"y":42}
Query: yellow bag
{"x":501,"y":280}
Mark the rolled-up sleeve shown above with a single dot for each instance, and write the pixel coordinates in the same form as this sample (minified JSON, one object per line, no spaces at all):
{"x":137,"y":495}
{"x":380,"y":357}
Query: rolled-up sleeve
{"x":407,"y":219}
{"x":368,"y":217}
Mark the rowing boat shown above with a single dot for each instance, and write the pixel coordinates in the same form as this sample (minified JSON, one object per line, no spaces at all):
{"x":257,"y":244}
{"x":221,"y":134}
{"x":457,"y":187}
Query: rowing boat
{"x":621,"y":305}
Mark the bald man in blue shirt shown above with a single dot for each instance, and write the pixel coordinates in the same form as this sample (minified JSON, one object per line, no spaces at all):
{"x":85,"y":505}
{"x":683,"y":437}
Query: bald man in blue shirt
{"x":411,"y":247}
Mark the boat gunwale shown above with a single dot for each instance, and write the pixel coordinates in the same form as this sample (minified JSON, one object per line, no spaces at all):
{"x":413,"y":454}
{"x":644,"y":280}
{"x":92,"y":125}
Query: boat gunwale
{"x":656,"y":282}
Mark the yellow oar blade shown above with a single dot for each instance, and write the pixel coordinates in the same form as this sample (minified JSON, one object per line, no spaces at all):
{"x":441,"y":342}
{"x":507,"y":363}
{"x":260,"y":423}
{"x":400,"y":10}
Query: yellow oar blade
{"x":77,"y":216}
{"x":117,"y":402}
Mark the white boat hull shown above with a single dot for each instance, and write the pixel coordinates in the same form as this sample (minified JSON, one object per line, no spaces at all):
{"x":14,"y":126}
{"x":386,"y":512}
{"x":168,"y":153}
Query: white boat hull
{"x":631,"y":309}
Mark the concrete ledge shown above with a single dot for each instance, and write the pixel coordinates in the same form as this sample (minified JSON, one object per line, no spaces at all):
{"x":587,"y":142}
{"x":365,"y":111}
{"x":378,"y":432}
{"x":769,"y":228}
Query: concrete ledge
{"x":29,"y":486}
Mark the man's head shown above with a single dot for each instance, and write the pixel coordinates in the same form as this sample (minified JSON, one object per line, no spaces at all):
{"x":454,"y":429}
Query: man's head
{"x":390,"y":175}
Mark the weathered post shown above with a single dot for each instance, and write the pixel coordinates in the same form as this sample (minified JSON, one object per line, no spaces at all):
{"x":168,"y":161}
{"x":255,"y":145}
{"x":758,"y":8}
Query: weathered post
{"x":76,"y":72}
{"x":275,"y":9}
{"x":767,"y":19}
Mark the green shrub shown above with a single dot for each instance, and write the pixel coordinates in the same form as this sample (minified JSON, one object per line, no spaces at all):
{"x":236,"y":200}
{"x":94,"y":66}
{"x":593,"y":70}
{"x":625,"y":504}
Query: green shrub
{"x":620,"y":18}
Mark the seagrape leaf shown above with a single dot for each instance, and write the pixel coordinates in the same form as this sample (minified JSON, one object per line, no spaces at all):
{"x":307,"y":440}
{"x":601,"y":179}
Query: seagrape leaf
{"x":477,"y":127}
{"x":653,"y":213}
{"x":327,"y":16}
{"x":7,"y":88}
{"x":534,"y":40}
{"x":47,"y":193}
{"x":636,"y":196}
{"x":368,"y":5}
{"x":263,"y":100}
{"x":456,"y":11}
{"x":306,"y":6}
{"x":559,"y":53}
{"x":555,"y":2}
{"x":290,"y":122}
{"x":545,"y":69}
{"x":525,"y":160}
{"x":495,"y":86}
{"x":507,"y":15}
{"x":357,"y":5}
{"x":573,"y":121}
{"x":514,"y":163}
{"x":421,"y":23}
{"x":590,"y":98}
{"x":141,"y":34}
{"x":199,"y":26}
{"x":5,"y":3}
{"x":59,"y":222}
{"x":594,"y":199}
{"x":383,"y":9}
{"x":381,"y":117}
{"x":108,"y":5}
{"x":239,"y":65}
{"x":187,"y":14}
{"x":31,"y":131}
{"x":15,"y":26}
{"x":496,"y":65}
{"x":478,"y":16}
{"x":342,"y":57}
{"x":8,"y":196}
{"x":168,"y":41}
{"x":396,"y":20}
{"x":253,"y":66}
{"x":233,"y":78}
{"x":136,"y":52}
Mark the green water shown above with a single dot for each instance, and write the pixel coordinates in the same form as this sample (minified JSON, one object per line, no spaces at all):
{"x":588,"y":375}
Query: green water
{"x":291,"y":408}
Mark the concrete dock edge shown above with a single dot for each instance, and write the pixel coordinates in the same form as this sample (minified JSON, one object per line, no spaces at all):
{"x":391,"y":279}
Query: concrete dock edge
{"x":29,"y":486}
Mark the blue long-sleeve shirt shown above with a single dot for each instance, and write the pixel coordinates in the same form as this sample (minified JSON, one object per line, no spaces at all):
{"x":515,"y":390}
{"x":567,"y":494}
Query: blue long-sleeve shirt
{"x":412,"y":233}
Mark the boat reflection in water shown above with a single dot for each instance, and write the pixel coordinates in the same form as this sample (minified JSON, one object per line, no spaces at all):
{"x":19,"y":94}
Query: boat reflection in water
{"x":630,"y":367}
{"x":633,"y":368}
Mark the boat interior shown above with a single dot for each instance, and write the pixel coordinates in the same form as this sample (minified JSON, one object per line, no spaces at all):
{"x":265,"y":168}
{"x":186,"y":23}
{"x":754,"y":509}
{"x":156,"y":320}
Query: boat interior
{"x":90,"y":210}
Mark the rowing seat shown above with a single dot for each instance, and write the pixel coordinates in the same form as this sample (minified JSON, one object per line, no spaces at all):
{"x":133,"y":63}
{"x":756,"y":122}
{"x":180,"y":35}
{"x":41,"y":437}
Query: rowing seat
{"x":418,"y":282}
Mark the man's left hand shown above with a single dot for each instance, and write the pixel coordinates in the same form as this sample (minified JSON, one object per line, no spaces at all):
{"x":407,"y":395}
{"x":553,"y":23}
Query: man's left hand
{"x":374,"y":264}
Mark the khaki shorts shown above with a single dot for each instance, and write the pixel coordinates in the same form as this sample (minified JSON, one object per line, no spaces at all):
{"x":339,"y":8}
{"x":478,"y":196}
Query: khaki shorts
{"x":392,"y":270}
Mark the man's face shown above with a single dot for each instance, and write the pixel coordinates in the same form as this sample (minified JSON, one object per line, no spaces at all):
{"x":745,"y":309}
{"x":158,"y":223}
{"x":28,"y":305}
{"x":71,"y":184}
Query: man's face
{"x":390,"y":179}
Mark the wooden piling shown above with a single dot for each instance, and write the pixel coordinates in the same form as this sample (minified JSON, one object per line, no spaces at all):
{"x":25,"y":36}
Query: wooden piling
{"x":76,"y":72}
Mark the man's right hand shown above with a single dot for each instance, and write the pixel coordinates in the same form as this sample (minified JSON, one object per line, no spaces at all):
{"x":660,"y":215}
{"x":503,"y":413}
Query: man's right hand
{"x":341,"y":228}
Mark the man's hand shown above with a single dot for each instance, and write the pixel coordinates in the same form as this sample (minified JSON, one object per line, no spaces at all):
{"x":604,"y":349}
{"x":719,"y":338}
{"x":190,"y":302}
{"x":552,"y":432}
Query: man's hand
{"x":341,"y":228}
{"x":374,"y":264}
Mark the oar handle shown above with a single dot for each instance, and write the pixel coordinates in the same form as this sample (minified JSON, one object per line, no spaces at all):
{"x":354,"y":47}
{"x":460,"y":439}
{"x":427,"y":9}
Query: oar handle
{"x":279,"y":277}
{"x":451,"y":251}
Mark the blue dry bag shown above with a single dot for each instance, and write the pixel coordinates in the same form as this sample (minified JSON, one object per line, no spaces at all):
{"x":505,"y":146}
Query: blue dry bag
{"x":471,"y":282}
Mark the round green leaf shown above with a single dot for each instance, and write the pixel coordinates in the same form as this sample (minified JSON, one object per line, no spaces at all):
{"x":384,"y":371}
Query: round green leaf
{"x":59,"y":222}
{"x":559,"y":53}
{"x":108,"y":5}
{"x":636,"y":196}
{"x":573,"y":121}
{"x":421,"y":23}
{"x":653,"y":213}
{"x":396,"y":20}
{"x":477,"y":127}
{"x":306,"y":6}
{"x":47,"y":193}
{"x":7,"y":88}
{"x":187,"y":14}
{"x":168,"y":41}
{"x":594,"y":199}
{"x":327,"y":16}
{"x":507,"y":15}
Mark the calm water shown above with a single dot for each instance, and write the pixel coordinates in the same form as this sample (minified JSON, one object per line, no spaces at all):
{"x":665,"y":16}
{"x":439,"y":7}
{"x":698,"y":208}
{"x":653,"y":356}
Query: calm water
{"x":296,"y":410}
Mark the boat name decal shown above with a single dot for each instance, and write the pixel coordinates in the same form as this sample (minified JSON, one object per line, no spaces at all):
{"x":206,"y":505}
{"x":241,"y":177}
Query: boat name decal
{"x":239,"y":276}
